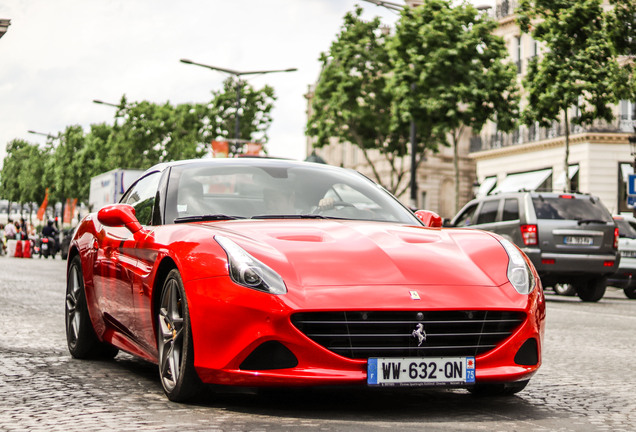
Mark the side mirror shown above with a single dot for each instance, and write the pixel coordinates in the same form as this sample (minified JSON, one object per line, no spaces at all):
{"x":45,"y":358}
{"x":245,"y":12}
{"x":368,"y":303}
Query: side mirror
{"x":119,"y":215}
{"x":429,"y":218}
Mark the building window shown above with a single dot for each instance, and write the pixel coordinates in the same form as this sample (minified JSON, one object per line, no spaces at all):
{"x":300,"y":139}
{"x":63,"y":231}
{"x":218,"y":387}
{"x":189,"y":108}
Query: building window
{"x":519,"y":53}
{"x":624,"y":170}
{"x":628,"y":110}
{"x":422,"y":203}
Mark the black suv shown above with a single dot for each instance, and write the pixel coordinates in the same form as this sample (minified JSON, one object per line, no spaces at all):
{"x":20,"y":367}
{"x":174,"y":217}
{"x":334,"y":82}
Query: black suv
{"x":570,"y":238}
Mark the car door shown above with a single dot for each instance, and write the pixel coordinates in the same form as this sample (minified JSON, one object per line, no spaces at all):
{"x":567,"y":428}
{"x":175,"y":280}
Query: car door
{"x":116,"y":263}
{"x":508,"y":221}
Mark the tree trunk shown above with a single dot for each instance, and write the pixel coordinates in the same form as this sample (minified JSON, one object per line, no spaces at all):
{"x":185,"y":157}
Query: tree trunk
{"x":456,"y":137}
{"x":566,"y":163}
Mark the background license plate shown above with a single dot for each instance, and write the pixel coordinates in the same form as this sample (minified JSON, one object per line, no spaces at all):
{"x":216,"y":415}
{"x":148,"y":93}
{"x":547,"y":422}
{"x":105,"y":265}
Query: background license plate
{"x":574,"y":240}
{"x":407,"y":371}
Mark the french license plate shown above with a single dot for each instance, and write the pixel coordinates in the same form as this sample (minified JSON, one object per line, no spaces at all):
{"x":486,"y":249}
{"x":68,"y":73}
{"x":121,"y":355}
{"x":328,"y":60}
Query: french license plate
{"x":420,"y":371}
{"x":575,"y":240}
{"x":628,"y":254}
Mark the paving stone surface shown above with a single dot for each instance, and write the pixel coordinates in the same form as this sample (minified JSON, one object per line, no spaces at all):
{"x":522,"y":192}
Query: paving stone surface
{"x":586,"y":382}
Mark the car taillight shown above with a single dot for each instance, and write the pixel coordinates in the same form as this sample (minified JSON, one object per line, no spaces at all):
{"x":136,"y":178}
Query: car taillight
{"x":615,"y":238}
{"x":529,"y":235}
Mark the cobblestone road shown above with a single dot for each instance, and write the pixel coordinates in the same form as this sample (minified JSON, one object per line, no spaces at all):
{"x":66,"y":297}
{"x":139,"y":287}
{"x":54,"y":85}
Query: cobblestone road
{"x":585,"y":384}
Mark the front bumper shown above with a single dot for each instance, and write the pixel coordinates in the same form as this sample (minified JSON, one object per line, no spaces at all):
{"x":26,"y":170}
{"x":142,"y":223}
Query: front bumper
{"x":229,"y":323}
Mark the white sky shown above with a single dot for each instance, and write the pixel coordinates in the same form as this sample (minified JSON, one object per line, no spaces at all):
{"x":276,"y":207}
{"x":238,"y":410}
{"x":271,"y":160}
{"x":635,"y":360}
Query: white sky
{"x":59,"y":55}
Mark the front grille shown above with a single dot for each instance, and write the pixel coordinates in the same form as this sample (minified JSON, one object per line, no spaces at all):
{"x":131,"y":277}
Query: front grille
{"x":361,"y":334}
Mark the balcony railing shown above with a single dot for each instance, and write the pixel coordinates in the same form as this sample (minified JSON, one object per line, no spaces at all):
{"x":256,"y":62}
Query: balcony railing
{"x":527,"y":134}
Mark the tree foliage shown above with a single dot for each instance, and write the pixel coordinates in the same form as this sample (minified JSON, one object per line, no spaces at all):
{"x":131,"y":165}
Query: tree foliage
{"x":352,"y":102}
{"x":443,"y":69}
{"x":142,"y":134}
{"x":579,"y":66}
{"x":254,"y":112}
{"x":450,"y":73}
{"x":21,"y":179}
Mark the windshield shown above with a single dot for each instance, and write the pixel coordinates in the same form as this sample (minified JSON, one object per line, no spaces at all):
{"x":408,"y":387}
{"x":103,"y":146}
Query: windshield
{"x":277,"y":189}
{"x":571,"y":208}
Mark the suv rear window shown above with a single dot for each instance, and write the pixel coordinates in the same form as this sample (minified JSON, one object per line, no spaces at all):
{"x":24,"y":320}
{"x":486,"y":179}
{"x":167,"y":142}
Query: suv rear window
{"x":571,"y":208}
{"x":625,"y":229}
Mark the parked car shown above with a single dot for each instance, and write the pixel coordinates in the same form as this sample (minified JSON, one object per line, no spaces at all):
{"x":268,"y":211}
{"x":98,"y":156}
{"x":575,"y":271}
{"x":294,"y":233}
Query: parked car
{"x":625,"y":276}
{"x":261,"y":272}
{"x":570,"y":238}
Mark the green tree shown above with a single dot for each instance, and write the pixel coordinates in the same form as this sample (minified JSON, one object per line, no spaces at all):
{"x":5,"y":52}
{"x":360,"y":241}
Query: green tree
{"x":9,"y":184}
{"x":93,"y":157}
{"x":21,"y":179}
{"x":63,"y":168}
{"x":143,"y":136}
{"x":621,"y":26}
{"x":579,"y":67}
{"x":255,"y":113}
{"x":352,"y":102}
{"x":452,"y":73}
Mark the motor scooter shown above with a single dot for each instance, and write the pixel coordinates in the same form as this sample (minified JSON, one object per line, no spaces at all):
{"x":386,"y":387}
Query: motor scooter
{"x":47,"y":247}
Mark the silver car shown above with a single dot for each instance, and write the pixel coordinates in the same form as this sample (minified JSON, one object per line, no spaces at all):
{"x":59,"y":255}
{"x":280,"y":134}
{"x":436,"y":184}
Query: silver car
{"x":570,"y":238}
{"x":625,"y":277}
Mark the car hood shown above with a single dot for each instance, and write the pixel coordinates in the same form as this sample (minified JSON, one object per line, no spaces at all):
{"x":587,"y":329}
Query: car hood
{"x":357,"y":253}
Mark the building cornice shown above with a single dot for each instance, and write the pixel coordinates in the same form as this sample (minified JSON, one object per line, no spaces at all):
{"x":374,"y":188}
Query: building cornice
{"x":581,"y":138}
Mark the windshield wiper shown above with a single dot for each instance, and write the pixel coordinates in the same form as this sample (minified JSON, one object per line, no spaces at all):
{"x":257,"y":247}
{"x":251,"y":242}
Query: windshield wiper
{"x":588,"y":221}
{"x":297,"y":216}
{"x":291,"y":216}
{"x":208,"y":217}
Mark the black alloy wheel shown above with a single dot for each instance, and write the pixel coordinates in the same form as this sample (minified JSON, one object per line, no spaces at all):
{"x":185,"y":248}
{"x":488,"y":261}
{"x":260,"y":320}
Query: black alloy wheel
{"x":174,"y":342}
{"x":81,"y":339}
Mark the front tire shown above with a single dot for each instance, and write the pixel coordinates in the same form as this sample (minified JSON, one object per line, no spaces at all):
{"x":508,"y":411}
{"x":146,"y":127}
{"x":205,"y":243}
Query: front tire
{"x":81,"y":339}
{"x":591,"y":290}
{"x":174,"y":342}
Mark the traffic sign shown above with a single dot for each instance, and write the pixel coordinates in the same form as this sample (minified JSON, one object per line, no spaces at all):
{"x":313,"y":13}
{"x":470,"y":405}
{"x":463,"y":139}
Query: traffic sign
{"x":631,"y":184}
{"x":631,"y":200}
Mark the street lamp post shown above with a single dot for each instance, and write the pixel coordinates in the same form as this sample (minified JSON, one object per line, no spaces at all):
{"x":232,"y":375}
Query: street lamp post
{"x":101,"y":102}
{"x":49,"y":136}
{"x":413,"y":131}
{"x":238,"y":75}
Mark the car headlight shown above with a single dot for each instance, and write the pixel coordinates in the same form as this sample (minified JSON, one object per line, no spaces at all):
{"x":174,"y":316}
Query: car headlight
{"x":519,"y":274}
{"x":249,"y":272}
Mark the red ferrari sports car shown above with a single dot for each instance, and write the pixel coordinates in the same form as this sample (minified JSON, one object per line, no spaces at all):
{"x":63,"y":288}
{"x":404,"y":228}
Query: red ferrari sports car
{"x":263,"y":272}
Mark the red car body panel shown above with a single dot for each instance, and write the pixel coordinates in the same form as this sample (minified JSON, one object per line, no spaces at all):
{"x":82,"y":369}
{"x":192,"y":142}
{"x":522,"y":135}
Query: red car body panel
{"x":451,"y":269}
